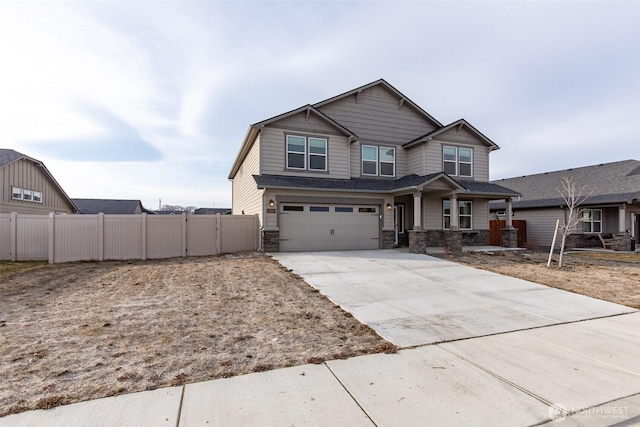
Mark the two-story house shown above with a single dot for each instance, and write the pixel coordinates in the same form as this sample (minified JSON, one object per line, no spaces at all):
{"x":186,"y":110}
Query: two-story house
{"x":366,"y":169}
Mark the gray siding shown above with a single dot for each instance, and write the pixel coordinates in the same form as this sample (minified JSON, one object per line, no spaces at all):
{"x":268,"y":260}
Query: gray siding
{"x":246,"y":195}
{"x":455,"y":138}
{"x":415,"y":160}
{"x":378,"y":117}
{"x":432,"y":213}
{"x":273,"y":153}
{"x":25,"y":174}
{"x":541,"y":224}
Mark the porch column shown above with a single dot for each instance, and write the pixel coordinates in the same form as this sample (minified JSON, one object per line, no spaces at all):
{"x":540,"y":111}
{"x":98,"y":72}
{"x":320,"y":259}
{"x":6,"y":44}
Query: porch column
{"x":417,"y":210}
{"x":453,"y":202}
{"x":622,"y":220}
{"x":509,"y":212}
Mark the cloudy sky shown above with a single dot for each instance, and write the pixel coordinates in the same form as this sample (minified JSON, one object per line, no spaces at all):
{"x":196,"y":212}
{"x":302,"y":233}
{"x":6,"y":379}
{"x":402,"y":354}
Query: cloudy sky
{"x":151,"y":100}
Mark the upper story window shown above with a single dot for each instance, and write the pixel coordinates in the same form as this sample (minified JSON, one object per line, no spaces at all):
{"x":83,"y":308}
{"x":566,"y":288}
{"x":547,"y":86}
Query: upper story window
{"x":457,"y":161}
{"x":378,"y":161}
{"x":27,"y":195}
{"x":306,"y":153}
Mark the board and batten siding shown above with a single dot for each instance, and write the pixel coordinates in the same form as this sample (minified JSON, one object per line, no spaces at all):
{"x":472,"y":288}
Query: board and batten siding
{"x":378,"y":117}
{"x":455,"y":138}
{"x":25,"y":174}
{"x":245,"y":194}
{"x":273,"y":152}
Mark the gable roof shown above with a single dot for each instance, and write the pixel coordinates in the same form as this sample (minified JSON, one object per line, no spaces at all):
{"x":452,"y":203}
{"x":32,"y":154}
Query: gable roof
{"x":109,"y":206}
{"x":254,"y":129}
{"x":8,"y":156}
{"x":458,"y":123}
{"x":380,"y":186}
{"x":616,"y":182}
{"x":381,"y":82}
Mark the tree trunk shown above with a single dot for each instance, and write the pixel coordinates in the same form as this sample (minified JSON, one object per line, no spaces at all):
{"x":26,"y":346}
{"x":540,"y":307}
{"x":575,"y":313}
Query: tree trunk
{"x":564,"y":238}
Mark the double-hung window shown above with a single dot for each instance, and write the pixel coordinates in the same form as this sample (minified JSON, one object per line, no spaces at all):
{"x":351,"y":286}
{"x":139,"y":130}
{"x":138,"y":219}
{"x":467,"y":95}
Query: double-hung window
{"x":592,"y":220}
{"x":378,"y":161}
{"x":457,"y":161}
{"x":306,"y":153}
{"x":465,"y":215}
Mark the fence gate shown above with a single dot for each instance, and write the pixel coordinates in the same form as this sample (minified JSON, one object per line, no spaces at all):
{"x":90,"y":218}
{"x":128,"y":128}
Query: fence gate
{"x":497,"y":225}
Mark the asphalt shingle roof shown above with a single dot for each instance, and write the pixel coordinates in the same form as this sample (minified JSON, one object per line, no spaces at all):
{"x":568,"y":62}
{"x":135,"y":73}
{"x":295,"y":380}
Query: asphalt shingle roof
{"x":7,"y":156}
{"x":617,"y":182}
{"x":107,"y":206}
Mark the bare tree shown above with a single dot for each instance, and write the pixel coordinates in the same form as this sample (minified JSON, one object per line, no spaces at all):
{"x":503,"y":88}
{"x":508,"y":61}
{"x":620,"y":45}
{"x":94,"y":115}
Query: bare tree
{"x":573,"y":195}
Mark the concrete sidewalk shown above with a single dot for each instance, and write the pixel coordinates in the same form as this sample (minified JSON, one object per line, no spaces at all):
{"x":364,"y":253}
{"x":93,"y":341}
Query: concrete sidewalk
{"x":500,"y":365}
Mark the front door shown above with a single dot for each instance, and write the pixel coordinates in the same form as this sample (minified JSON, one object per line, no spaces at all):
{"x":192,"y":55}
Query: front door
{"x":398,"y":222}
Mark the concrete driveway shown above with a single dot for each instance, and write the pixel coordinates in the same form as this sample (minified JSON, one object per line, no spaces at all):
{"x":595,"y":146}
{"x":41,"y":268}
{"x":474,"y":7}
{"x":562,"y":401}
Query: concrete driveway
{"x":413,"y":300}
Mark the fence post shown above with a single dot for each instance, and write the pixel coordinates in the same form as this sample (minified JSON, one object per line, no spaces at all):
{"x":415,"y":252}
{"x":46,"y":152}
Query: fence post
{"x":218,"y":234}
{"x":52,"y":220}
{"x":143,"y":236}
{"x":184,"y":234}
{"x":13,"y":250}
{"x":100,"y":236}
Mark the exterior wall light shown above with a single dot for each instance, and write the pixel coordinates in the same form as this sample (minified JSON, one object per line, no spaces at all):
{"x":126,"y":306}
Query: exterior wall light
{"x":271,"y":203}
{"x":389,"y":206}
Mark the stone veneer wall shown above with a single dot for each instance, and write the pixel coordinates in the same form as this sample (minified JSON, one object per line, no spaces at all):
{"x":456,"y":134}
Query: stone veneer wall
{"x":271,"y":241}
{"x":476,"y":238}
{"x":388,"y":239}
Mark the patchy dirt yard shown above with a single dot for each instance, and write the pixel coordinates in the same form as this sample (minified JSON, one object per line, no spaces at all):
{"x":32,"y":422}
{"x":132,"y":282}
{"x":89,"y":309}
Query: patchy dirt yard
{"x":80,"y":331}
{"x":609,"y":276}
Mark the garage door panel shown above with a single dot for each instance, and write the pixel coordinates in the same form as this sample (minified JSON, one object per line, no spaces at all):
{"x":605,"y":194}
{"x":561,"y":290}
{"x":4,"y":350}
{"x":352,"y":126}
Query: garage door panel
{"x":328,"y":227}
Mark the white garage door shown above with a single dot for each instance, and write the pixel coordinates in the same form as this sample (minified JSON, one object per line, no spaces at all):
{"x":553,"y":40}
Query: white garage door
{"x":318,"y":227}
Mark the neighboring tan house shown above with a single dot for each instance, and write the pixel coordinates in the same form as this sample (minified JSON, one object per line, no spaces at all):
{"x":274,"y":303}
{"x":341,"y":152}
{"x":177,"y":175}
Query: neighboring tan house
{"x":110,"y":206}
{"x":27,"y":186}
{"x":611,"y":208}
{"x":363,"y":170}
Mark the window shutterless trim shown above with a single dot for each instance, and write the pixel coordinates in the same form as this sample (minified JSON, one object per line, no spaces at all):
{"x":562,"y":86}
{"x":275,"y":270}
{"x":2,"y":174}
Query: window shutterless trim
{"x":307,"y":154}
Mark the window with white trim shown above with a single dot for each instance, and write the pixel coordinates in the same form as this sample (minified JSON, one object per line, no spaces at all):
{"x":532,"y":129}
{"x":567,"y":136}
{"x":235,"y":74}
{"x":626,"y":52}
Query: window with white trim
{"x":378,"y":161}
{"x":26,"y":195}
{"x":457,"y":161}
{"x":465,"y":215}
{"x":592,"y":220}
{"x":306,"y":153}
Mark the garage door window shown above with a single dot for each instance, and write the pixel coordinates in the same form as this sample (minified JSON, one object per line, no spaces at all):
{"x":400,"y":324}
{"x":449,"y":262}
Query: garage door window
{"x":293,"y":208}
{"x":367,"y":210}
{"x":319,"y":208}
{"x":344,"y":209}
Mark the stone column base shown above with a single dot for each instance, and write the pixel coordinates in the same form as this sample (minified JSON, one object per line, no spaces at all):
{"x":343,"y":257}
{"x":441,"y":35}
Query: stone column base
{"x":417,"y":241}
{"x":388,"y":239}
{"x":509,"y":238}
{"x":270,"y":241}
{"x":452,"y":241}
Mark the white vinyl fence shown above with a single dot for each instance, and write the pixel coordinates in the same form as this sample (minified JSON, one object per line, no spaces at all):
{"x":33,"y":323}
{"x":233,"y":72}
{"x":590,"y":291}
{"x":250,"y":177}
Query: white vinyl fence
{"x":64,"y":238}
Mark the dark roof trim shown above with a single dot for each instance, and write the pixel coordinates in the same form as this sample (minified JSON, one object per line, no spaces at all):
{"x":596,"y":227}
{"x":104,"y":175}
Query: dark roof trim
{"x":461,"y":122}
{"x":404,"y":99}
{"x":406,"y":183}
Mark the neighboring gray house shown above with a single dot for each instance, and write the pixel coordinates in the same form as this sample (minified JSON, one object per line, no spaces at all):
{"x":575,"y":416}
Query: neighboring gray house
{"x":362,"y":170}
{"x":212,"y":211}
{"x":27,"y":186}
{"x":612,"y":208}
{"x":110,"y":206}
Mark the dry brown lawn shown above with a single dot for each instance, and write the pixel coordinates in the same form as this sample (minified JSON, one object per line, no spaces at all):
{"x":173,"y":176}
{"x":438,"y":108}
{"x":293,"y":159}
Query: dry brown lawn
{"x":79,"y":331}
{"x":609,"y":276}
